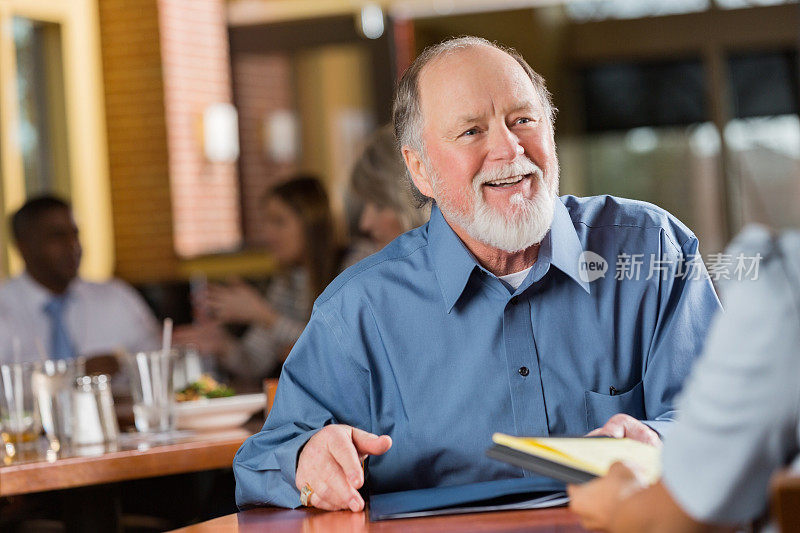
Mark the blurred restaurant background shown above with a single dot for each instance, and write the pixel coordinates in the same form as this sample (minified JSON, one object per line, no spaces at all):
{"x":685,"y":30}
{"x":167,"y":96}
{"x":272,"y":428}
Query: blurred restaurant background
{"x":162,"y":121}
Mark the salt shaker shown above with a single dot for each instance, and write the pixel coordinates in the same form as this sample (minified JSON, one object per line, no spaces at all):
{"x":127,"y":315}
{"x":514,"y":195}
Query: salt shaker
{"x":87,"y":425}
{"x":105,"y":405}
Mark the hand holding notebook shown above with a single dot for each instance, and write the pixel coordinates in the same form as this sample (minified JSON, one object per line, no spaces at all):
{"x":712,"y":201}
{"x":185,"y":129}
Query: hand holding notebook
{"x":578,"y":459}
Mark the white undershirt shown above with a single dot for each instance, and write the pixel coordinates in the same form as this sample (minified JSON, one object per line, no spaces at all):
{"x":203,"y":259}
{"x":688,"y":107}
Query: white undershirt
{"x":515,"y":279}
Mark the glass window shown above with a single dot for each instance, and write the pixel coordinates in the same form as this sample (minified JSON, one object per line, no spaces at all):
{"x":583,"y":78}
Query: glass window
{"x":764,"y":138}
{"x":765,"y":156}
{"x":629,"y":95}
{"x":587,"y":10}
{"x":764,"y":83}
{"x":676,"y":168}
{"x":738,"y":4}
{"x":42,"y":131}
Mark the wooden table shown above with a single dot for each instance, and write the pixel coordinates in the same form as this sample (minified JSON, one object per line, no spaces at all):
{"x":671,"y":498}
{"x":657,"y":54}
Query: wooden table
{"x":134,"y":458}
{"x":311,"y":521}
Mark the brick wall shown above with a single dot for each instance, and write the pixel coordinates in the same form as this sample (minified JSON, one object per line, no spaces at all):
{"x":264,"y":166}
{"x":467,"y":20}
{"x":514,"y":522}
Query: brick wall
{"x":263,"y":84}
{"x":404,"y":44}
{"x":205,"y":195}
{"x":164,"y":61}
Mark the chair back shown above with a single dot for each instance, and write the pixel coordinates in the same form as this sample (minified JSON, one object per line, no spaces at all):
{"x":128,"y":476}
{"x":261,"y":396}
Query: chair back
{"x":785,"y":488}
{"x":270,"y":388}
{"x":107,"y":363}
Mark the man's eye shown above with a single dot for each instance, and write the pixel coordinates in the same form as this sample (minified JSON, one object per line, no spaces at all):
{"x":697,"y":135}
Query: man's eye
{"x":470,"y":132}
{"x":523,"y":120}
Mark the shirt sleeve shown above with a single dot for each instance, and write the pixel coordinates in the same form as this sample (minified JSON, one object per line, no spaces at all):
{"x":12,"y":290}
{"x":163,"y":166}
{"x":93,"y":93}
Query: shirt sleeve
{"x":311,"y":394}
{"x":739,"y":412}
{"x":259,"y":351}
{"x":142,"y":326}
{"x":687,"y":304}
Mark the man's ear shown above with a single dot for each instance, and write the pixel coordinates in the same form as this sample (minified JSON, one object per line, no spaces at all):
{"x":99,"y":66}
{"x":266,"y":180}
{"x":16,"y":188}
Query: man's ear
{"x":419,"y":174}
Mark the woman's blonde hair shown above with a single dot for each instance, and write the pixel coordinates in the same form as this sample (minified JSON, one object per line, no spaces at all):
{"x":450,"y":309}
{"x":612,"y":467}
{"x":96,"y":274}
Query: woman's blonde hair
{"x":379,"y":177}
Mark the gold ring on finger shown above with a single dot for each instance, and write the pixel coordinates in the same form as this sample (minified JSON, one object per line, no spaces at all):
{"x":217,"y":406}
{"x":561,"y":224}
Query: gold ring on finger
{"x":305,"y":494}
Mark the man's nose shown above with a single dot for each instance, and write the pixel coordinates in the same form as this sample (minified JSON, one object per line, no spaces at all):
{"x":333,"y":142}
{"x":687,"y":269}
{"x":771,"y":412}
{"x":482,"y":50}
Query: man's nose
{"x":503,"y":144}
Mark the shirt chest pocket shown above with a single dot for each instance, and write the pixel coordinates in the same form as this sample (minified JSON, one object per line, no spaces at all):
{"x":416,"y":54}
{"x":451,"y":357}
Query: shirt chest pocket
{"x":601,"y":407}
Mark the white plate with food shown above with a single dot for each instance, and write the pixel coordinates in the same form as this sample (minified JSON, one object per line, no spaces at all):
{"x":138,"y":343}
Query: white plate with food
{"x":205,"y":405}
{"x":218,"y":413}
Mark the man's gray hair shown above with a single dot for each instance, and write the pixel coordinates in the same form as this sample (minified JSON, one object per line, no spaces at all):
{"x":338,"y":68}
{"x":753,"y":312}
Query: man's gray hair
{"x":406,"y":112}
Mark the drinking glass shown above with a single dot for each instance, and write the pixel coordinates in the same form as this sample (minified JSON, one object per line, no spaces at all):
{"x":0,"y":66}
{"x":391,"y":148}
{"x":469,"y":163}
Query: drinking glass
{"x":52,"y":384}
{"x":150,"y":375}
{"x":20,"y":421}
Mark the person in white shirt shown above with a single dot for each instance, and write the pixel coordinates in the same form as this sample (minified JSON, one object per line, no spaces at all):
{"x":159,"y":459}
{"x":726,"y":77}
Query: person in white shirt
{"x":50,"y":312}
{"x":739,"y":418}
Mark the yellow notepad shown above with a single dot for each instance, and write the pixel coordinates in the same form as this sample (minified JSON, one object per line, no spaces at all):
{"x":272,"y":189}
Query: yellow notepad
{"x":594,"y":455}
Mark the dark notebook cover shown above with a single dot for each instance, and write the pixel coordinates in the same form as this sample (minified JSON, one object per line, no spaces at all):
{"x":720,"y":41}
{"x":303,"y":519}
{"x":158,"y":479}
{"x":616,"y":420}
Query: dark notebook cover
{"x":539,"y":465}
{"x":483,"y":494}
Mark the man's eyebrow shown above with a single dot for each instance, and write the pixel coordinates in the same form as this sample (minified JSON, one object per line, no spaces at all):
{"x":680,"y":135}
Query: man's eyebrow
{"x":458,"y":124}
{"x":523,"y":106}
{"x":469,"y":119}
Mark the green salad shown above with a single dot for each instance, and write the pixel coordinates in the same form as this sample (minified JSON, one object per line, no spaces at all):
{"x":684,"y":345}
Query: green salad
{"x":204,"y":387}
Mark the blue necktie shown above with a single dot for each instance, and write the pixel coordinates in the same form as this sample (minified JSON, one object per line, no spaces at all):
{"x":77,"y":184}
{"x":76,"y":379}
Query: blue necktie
{"x":60,"y":344}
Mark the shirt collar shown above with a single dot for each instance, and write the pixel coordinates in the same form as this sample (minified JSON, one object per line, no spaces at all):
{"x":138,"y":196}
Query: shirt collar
{"x":562,"y":247}
{"x":38,"y":294}
{"x":454,"y":264}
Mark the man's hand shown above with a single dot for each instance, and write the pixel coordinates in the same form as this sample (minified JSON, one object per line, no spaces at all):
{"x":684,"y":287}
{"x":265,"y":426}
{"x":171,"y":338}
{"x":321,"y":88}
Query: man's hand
{"x":621,"y":425}
{"x":331,"y":465}
{"x":596,"y":502}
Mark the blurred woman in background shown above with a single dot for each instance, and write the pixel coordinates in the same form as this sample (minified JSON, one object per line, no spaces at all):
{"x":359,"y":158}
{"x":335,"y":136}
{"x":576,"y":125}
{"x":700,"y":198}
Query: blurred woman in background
{"x":300,"y":235}
{"x":379,"y":180}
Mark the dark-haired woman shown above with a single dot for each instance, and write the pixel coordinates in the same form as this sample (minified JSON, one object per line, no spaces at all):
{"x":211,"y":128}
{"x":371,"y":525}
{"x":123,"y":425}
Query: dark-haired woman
{"x":300,"y":235}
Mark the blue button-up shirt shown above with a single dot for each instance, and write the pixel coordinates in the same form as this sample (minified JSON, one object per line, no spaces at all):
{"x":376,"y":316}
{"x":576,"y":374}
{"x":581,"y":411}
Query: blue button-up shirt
{"x":422,"y":343}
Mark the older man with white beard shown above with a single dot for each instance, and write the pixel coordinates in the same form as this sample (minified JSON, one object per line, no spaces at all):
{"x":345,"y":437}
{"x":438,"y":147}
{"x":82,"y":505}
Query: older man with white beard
{"x":489,"y":317}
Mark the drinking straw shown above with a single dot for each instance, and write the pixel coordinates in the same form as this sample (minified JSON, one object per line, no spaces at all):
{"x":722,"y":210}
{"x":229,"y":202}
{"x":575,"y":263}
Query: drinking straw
{"x":18,"y":399}
{"x":166,"y":338}
{"x":8,"y":391}
{"x":16,"y":349}
{"x":12,"y":387}
{"x":144,"y":375}
{"x":15,"y":411}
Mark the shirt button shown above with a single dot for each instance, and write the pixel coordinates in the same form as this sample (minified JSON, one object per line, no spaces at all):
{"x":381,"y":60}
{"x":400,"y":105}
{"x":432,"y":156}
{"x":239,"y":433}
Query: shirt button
{"x":523,"y":371}
{"x":514,"y":300}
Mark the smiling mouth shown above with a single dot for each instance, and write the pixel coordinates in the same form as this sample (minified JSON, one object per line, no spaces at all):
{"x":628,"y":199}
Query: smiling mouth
{"x":507,"y":182}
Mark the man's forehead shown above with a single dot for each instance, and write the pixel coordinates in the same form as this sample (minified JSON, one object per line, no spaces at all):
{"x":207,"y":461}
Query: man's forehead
{"x":462,"y":79}
{"x":483,"y":53}
{"x":468,"y":62}
{"x":56,"y":219}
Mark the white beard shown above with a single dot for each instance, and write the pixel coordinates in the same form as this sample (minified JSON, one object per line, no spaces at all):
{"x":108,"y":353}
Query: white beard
{"x":524,"y":224}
